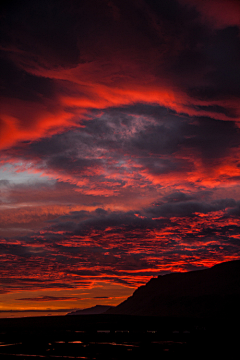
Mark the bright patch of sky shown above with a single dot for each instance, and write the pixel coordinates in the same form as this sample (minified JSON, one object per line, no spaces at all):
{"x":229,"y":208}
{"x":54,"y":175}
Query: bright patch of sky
{"x":19,"y":174}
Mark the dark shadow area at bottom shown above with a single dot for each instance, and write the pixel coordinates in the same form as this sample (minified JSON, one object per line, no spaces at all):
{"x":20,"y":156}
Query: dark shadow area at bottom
{"x":115,"y":337}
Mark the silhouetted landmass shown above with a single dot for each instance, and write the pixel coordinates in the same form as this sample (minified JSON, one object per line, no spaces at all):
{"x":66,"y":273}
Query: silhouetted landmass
{"x":213,"y":292}
{"x":196,"y":316}
{"x":98,"y":309}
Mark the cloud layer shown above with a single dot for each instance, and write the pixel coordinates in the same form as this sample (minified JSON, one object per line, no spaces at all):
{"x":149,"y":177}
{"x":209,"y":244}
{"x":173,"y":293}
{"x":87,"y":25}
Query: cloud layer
{"x":119,"y":137}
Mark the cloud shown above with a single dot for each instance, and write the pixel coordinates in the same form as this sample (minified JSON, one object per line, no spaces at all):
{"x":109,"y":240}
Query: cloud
{"x":146,"y":52}
{"x":112,"y":152}
{"x":101,"y":297}
{"x":219,"y":13}
{"x":189,"y":207}
{"x":119,"y":141}
{"x":51,"y":298}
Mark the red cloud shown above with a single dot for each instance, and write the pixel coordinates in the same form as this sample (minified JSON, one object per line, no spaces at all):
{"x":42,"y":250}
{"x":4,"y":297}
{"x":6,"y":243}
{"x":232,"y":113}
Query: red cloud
{"x":135,"y":57}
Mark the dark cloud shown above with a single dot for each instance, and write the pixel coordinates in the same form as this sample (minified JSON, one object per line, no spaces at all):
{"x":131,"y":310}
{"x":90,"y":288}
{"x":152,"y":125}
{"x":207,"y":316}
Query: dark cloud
{"x":51,"y":298}
{"x":214,"y":139}
{"x":17,"y":83}
{"x":222,"y":56}
{"x":101,"y":297}
{"x":118,"y":220}
{"x":155,"y":142}
{"x":100,"y":223}
{"x":182,"y":48}
{"x":236,"y":210}
{"x":20,"y":251}
{"x":49,"y":28}
{"x":216,"y":109}
{"x":177,"y":197}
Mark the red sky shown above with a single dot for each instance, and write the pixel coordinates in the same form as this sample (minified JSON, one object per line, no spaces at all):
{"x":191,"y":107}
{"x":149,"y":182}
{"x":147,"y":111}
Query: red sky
{"x":119,"y":143}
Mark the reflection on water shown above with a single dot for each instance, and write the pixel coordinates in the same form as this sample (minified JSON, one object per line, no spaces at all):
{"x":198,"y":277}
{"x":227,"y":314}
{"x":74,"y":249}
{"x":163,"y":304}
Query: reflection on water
{"x":126,"y":338}
{"x":89,"y":350}
{"x":75,"y":342}
{"x":97,"y":338}
{"x":103,"y":331}
{"x":48,"y":356}
{"x":114,"y":343}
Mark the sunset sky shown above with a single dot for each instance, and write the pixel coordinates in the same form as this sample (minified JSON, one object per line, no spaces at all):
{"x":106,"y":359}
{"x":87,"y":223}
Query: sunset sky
{"x":119,"y":146}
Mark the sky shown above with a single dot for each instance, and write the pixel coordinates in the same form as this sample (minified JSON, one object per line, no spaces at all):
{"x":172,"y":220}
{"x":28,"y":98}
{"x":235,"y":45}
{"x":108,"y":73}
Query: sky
{"x":119,"y":146}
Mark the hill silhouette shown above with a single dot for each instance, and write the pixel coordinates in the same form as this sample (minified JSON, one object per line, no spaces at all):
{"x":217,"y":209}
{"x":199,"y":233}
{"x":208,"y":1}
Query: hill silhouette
{"x":94,"y":310}
{"x":204,"y":293}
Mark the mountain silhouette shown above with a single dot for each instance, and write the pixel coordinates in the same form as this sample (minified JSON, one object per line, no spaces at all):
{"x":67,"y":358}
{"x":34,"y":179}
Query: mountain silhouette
{"x":204,"y":293}
{"x":94,"y":310}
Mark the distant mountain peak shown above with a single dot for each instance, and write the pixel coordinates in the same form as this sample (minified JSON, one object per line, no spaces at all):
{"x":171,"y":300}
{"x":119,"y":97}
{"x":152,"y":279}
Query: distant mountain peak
{"x":94,"y":310}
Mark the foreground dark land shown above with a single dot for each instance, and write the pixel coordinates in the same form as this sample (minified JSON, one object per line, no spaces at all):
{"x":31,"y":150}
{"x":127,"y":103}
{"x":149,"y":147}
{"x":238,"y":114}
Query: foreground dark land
{"x":117,"y":337}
